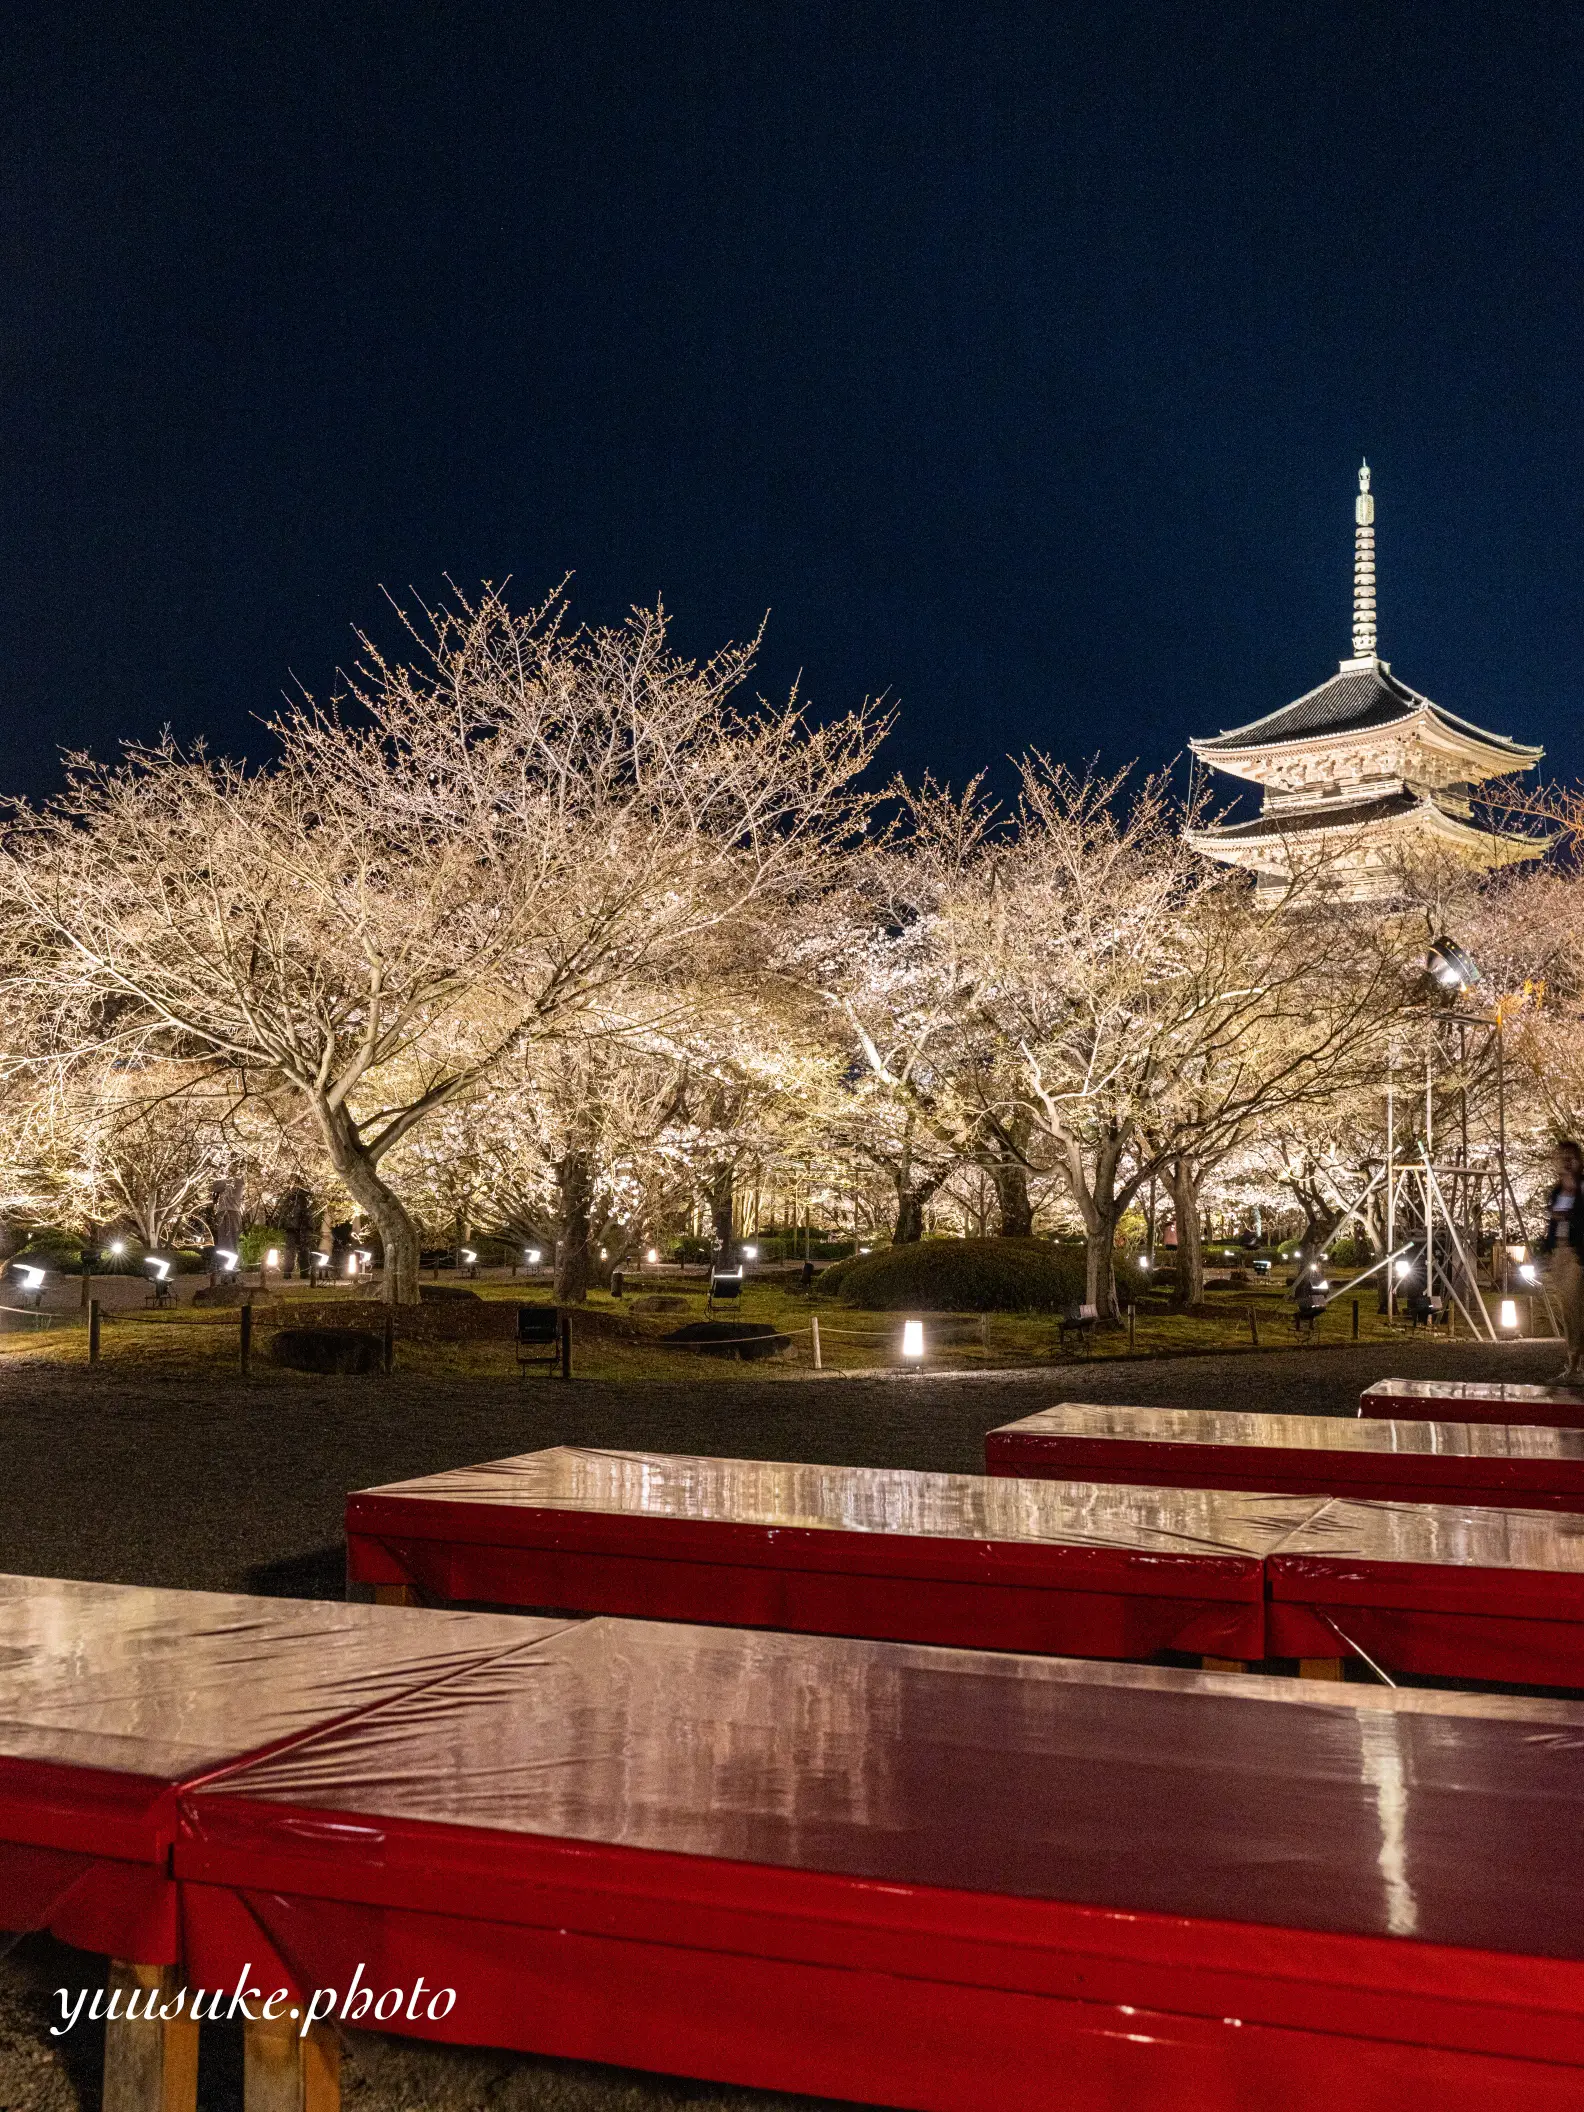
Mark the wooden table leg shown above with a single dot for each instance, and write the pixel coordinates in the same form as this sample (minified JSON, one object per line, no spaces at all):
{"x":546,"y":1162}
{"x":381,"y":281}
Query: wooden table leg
{"x":283,"y":2071}
{"x":395,"y":1595}
{"x":1319,"y":1668}
{"x":150,"y":2062}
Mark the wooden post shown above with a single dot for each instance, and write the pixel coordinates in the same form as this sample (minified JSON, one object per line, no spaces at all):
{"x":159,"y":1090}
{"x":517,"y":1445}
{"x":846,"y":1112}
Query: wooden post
{"x":1132,"y":1310}
{"x":984,"y":1333}
{"x":150,"y":2063}
{"x":87,"y":1283}
{"x":564,"y":1328}
{"x":1355,"y":1319}
{"x":93,"y":1330}
{"x":814,"y":1340}
{"x":1254,"y":1327}
{"x":245,"y":1342}
{"x":284,"y":2071}
{"x":388,"y":1343}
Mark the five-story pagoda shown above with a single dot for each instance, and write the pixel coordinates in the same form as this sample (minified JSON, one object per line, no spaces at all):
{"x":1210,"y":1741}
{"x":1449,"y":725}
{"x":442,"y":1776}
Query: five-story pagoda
{"x":1362,"y":775}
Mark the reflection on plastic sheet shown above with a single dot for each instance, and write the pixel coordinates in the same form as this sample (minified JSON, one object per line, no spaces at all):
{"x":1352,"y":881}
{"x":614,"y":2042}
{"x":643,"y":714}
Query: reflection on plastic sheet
{"x":780,"y":1494}
{"x":1300,"y":1433}
{"x":166,"y":1683}
{"x":1475,"y":1536}
{"x":1151,"y":1792}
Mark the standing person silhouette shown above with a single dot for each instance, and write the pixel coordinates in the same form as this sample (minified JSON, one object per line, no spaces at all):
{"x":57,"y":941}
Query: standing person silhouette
{"x":1564,"y":1243}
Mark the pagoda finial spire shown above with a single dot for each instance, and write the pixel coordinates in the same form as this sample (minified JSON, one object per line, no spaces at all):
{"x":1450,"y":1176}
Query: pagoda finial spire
{"x":1364,"y":569}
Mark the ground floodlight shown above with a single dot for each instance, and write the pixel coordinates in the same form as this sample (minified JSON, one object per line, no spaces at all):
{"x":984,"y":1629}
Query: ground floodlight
{"x":32,"y":1278}
{"x":322,"y":1260}
{"x":1404,"y":1269}
{"x":1509,"y":1312}
{"x":1144,"y":1263}
{"x":155,"y":1261}
{"x":913,"y":1338}
{"x":1528,"y":1273}
{"x":117,"y":1248}
{"x":352,"y":1265}
{"x":532,"y":1256}
{"x":225,"y":1257}
{"x":272,"y":1258}
{"x":469,"y":1256}
{"x":750,"y":1253}
{"x":1322,"y":1283}
{"x":863,"y":1250}
{"x":1451,"y":966}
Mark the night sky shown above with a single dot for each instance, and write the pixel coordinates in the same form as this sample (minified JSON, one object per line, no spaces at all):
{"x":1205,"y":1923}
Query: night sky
{"x":1017,"y":360}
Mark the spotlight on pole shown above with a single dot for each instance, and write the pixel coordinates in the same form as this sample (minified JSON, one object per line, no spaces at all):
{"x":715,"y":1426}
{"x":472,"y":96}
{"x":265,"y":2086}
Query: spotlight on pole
{"x":1509,"y":1313}
{"x":1450,"y":966}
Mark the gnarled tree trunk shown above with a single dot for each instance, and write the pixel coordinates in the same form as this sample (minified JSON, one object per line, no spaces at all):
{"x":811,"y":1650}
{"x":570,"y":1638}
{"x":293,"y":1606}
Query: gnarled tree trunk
{"x":359,"y":1170}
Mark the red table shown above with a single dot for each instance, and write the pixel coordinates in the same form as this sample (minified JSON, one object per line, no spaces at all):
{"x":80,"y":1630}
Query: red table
{"x":111,"y":1697}
{"x":941,"y":1558}
{"x":938,"y":1879}
{"x":1475,"y":1401}
{"x":1301,"y":1455}
{"x":1452,"y":1593}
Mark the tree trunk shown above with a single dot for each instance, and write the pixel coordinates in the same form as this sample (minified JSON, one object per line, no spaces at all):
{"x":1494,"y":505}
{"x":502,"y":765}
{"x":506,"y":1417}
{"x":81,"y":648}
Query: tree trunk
{"x":909,"y":1225}
{"x":574,"y":1260}
{"x":360,"y":1172}
{"x":1190,"y":1245}
{"x":722,"y":1208}
{"x":1015,"y":1210}
{"x":1100,"y":1230}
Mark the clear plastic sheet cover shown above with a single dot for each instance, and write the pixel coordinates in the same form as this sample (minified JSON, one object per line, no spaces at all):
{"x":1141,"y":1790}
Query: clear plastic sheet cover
{"x":1114,"y":1786}
{"x":778,"y":1494}
{"x":168,"y":1683}
{"x":1446,"y":1393}
{"x":1483,"y":1536}
{"x":1300,"y":1433}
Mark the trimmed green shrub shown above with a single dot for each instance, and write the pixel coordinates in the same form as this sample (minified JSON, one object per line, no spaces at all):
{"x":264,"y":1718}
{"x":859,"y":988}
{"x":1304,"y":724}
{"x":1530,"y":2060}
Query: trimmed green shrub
{"x":961,"y":1276}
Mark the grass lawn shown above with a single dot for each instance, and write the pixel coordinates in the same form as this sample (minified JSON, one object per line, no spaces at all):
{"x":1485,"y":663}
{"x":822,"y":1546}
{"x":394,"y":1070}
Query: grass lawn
{"x":619,"y":1342}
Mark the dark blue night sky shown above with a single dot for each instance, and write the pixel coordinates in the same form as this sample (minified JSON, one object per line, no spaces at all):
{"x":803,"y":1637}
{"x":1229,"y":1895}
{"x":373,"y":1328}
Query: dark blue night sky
{"x":1018,"y":359}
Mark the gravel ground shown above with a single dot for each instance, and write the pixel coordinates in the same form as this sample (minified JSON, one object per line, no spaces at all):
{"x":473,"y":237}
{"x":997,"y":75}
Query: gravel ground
{"x":219,"y":1487}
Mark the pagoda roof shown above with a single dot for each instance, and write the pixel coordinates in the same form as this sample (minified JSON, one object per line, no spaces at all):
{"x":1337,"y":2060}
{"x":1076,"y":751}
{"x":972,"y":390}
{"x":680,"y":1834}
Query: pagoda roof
{"x":1360,"y":697}
{"x":1330,"y":816}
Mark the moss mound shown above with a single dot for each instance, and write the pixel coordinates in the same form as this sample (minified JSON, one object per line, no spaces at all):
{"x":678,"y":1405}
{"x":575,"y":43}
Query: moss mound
{"x":961,"y":1276}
